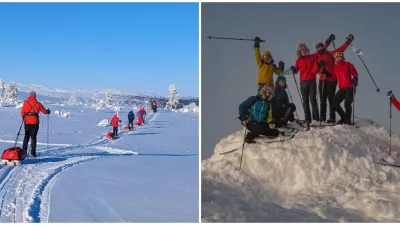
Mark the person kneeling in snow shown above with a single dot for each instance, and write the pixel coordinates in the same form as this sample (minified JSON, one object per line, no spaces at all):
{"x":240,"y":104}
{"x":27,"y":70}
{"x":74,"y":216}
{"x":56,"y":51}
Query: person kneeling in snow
{"x":260,"y":110}
{"x":114,"y":124}
{"x":30,"y":115}
{"x":282,"y":110}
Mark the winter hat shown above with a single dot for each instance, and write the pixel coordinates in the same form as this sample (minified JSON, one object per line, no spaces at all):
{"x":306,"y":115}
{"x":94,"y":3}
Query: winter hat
{"x":280,"y":78}
{"x":267,"y":53}
{"x":267,"y":87}
{"x":319,"y":45}
{"x":300,"y":47}
{"x":32,"y":93}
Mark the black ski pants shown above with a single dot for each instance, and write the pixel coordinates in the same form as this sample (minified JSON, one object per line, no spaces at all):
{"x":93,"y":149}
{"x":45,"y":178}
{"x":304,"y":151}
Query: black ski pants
{"x":309,"y":94}
{"x":347,"y":95}
{"x":31,"y":131}
{"x":327,"y":91}
{"x":283,"y":115}
{"x":256,"y":129}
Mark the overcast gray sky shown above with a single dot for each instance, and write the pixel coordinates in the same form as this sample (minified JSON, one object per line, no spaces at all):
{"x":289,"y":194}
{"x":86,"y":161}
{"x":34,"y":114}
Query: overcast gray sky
{"x":229,"y":70}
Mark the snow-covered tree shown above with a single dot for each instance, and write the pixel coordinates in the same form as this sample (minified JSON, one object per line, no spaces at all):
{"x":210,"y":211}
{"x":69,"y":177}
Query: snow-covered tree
{"x":74,"y":100}
{"x":109,"y":98}
{"x":173,"y":98}
{"x":11,"y":94}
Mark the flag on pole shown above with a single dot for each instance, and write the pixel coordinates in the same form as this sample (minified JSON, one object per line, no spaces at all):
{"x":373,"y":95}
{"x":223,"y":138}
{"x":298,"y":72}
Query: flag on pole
{"x":358,"y":51}
{"x":394,"y":100}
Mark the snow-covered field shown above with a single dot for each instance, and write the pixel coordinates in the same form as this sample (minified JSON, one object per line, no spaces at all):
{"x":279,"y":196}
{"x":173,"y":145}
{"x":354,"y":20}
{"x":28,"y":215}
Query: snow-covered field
{"x":149,"y":174}
{"x":323,"y":175}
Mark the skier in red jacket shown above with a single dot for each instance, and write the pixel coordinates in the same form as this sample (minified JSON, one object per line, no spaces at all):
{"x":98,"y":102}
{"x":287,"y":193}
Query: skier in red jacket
{"x":347,"y":77}
{"x":327,"y":82}
{"x":308,"y":84}
{"x":114,"y":124}
{"x":30,"y":114}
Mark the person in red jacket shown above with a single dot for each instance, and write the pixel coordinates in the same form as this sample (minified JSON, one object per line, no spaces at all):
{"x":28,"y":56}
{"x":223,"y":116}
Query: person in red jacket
{"x":327,"y":83}
{"x":347,"y":77}
{"x":114,"y":123}
{"x":30,"y":114}
{"x":144,"y":113}
{"x":308,"y":85}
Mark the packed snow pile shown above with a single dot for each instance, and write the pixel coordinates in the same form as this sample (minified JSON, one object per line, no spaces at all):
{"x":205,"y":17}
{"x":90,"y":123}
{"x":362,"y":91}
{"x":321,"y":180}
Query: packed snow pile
{"x":19,"y":105}
{"x":103,"y":123}
{"x":325,"y":174}
{"x":62,"y":113}
{"x":191,"y":108}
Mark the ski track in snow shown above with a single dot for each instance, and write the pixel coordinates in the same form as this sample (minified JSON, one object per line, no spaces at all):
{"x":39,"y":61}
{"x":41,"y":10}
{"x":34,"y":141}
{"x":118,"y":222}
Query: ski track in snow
{"x":25,"y":189}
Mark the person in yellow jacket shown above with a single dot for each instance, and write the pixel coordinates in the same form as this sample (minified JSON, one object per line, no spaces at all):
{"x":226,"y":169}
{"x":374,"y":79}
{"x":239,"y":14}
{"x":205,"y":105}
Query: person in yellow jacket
{"x":266,"y":66}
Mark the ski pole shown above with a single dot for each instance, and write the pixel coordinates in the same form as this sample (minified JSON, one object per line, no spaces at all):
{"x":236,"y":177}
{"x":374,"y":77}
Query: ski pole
{"x":298,"y":90}
{"x":19,"y":131}
{"x":237,"y":39}
{"x":333,"y":42}
{"x":377,"y":89}
{"x":291,"y":99}
{"x":48,"y":122}
{"x":241,"y":156}
{"x":320,"y":100}
{"x":390,"y":122}
{"x":354,"y":103}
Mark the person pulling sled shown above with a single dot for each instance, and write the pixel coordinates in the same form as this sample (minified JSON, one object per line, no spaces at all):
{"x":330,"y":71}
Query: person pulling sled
{"x":260,"y":109}
{"x":131,"y":118}
{"x":154,"y":105}
{"x":114,"y":123}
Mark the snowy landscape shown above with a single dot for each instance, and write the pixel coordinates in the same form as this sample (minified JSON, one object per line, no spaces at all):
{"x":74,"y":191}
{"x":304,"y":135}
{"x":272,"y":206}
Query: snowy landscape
{"x":149,"y":174}
{"x":322,"y":175}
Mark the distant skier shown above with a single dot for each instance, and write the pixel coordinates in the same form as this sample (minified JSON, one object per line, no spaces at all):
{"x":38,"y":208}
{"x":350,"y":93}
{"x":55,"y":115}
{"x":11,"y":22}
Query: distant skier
{"x":324,"y":64}
{"x":308,"y":85}
{"x":154,"y":105}
{"x":282,"y":109}
{"x":139,"y":114}
{"x":344,"y":71}
{"x":266,"y":66}
{"x":30,"y":114}
{"x":131,"y":118}
{"x":260,"y":110}
{"x":144,"y":113}
{"x":114,"y":123}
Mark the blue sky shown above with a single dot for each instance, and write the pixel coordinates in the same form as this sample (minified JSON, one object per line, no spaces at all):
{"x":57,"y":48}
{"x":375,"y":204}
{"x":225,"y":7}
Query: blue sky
{"x":131,"y":46}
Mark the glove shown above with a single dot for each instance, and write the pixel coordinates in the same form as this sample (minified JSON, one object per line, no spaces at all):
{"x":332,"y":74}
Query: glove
{"x":281,"y":66}
{"x":257,"y":42}
{"x":48,"y":111}
{"x":321,"y":63}
{"x":355,"y":81}
{"x":350,"y":38}
{"x":390,"y":94}
{"x":293,"y":69}
{"x":330,"y":39}
{"x":327,"y":74}
{"x":272,"y":125}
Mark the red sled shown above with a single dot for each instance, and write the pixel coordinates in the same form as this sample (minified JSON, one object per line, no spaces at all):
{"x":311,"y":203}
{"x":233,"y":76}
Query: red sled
{"x":110,"y":135}
{"x":13,"y":156}
{"x":127,"y":128}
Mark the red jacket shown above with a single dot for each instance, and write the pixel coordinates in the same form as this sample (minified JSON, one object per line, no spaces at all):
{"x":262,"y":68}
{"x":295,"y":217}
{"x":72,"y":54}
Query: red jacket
{"x":329,"y":62}
{"x":114,"y":121}
{"x":344,"y":71}
{"x":305,"y":65}
{"x":31,"y":110}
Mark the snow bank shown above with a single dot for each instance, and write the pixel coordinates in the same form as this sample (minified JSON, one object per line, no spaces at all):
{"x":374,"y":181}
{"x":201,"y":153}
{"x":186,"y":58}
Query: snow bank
{"x":321,"y":175}
{"x":191,"y":108}
{"x":103,"y":123}
{"x":62,"y":113}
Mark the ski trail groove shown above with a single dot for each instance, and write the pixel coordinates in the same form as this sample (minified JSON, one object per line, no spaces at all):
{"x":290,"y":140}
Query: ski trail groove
{"x":22,"y":198}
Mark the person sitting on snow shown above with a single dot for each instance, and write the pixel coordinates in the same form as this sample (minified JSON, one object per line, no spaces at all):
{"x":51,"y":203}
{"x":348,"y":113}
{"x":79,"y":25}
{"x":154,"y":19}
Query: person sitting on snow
{"x":131,"y":118}
{"x":282,"y":110}
{"x":260,"y":109}
{"x":114,"y":124}
{"x":30,"y":114}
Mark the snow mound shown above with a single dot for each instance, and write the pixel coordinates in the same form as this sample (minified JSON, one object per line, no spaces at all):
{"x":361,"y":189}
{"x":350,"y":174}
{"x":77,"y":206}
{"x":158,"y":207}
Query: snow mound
{"x":19,"y":105}
{"x":191,"y":108}
{"x":103,"y":123}
{"x":62,"y":113}
{"x":321,"y":175}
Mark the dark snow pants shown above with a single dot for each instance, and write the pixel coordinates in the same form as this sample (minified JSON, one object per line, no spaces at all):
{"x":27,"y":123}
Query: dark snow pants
{"x":31,"y":131}
{"x":309,"y":94}
{"x":327,"y":91}
{"x":283,"y":115}
{"x":115,"y":131}
{"x":256,"y":129}
{"x":347,"y":95}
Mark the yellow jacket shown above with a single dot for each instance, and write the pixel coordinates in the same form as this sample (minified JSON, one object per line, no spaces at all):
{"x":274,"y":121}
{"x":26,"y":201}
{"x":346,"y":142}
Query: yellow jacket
{"x":265,"y":71}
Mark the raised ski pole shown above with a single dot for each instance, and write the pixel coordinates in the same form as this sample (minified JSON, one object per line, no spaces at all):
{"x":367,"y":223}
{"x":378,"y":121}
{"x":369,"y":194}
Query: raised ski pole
{"x":390,"y":121}
{"x":241,"y":156}
{"x":291,"y":99}
{"x":377,"y":89}
{"x":236,"y":39}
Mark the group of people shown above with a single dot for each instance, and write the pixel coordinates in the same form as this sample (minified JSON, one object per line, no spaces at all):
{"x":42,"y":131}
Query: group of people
{"x":141,"y":114}
{"x":271,"y":108}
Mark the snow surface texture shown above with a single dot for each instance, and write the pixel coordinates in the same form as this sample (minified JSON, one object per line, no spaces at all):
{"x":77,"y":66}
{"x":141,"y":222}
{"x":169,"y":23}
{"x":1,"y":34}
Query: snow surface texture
{"x":191,"y":108}
{"x":33,"y":191}
{"x":323,"y":175}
